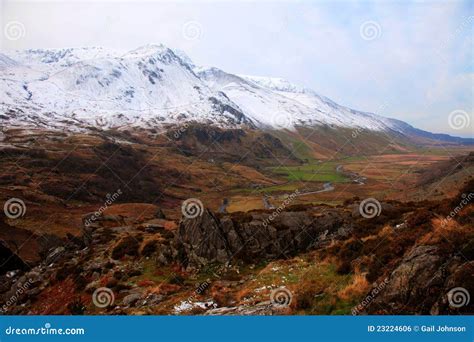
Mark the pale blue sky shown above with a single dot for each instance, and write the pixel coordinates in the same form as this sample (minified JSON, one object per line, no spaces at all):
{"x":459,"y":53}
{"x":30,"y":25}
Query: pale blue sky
{"x":418,"y":67}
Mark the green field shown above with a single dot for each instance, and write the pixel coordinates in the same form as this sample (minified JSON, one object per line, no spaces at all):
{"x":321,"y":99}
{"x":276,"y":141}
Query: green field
{"x":288,"y":187}
{"x":315,"y":172}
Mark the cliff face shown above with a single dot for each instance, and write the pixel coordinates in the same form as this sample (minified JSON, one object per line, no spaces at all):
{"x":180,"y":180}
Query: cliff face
{"x":421,"y":281}
{"x":210,"y":238}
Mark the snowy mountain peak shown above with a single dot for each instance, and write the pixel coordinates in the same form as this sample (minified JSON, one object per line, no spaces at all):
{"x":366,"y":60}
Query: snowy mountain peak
{"x":149,"y":50}
{"x":64,"y":56}
{"x":154,"y":85}
{"x":274,"y":83}
{"x":148,"y":86}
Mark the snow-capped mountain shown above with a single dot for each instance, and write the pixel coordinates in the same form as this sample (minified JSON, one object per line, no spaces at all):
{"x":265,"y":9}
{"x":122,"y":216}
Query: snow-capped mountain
{"x":277,"y":103}
{"x":154,"y":85}
{"x":148,"y":86}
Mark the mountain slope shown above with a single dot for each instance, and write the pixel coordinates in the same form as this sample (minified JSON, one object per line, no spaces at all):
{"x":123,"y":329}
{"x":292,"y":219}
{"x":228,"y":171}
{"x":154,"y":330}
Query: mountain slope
{"x":277,"y":103}
{"x":144,"y":87}
{"x":154,"y":86}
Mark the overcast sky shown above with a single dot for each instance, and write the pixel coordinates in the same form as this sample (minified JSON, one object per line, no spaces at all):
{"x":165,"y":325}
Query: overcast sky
{"x":407,"y":60}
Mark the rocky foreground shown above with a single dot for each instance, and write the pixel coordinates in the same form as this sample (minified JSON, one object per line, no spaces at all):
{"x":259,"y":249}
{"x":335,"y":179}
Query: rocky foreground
{"x":303,"y":260}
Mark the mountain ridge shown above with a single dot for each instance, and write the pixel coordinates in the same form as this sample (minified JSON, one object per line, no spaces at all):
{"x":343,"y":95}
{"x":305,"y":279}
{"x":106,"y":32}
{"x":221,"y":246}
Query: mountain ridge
{"x":154,"y":85}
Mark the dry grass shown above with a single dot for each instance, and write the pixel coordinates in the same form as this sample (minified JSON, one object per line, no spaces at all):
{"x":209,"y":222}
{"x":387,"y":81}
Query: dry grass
{"x":442,"y":230}
{"x":357,"y":288}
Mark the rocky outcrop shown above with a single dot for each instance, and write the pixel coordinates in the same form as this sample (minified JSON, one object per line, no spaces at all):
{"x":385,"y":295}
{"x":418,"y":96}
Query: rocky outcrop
{"x":255,"y":236}
{"x":263,"y":309}
{"x":421,"y":283}
{"x":410,"y":281}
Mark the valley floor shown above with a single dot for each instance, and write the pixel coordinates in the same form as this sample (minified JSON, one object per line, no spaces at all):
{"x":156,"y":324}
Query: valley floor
{"x":267,"y":234}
